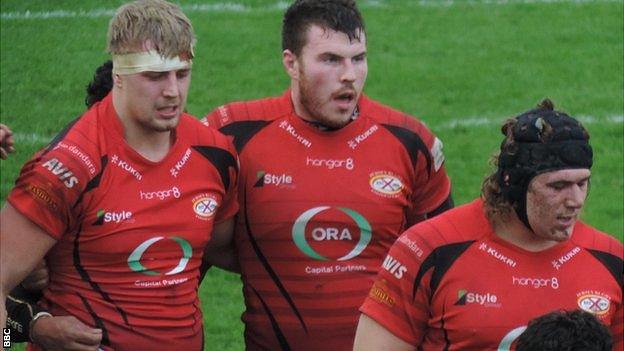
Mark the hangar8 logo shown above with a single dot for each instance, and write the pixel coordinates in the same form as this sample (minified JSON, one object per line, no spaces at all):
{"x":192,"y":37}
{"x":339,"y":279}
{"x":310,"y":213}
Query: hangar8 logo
{"x":328,"y":233}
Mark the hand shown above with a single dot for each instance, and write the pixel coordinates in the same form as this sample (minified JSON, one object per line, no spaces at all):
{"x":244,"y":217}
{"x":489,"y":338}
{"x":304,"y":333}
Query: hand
{"x":38,"y":278}
{"x":6,"y":141}
{"x":65,"y":333}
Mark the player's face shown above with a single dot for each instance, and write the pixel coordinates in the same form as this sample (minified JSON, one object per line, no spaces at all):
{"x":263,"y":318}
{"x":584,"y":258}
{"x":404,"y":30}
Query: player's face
{"x":554,"y":202}
{"x":331,"y":73}
{"x":154,"y":101}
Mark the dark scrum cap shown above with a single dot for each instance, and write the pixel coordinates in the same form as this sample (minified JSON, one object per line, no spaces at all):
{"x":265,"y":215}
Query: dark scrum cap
{"x":541,"y":140}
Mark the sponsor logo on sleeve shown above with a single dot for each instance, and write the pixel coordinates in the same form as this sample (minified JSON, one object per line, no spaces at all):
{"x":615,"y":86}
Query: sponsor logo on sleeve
{"x":386,"y":184}
{"x":42,"y":195}
{"x":393,"y":266}
{"x":205,"y":206}
{"x":594,"y":302}
{"x":76,"y":151}
{"x":437,"y":154}
{"x":116,"y":160}
{"x":380,"y":293}
{"x":412,"y":245}
{"x":63,"y":172}
{"x":175,"y":170}
{"x":293,"y":132}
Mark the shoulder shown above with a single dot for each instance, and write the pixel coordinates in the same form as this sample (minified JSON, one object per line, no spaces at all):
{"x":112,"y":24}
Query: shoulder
{"x":390,"y":117}
{"x":261,"y":110}
{"x":461,"y":225}
{"x":593,"y":239}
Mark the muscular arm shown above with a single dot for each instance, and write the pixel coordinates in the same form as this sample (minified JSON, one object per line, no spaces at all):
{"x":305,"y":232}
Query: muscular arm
{"x":22,"y":245}
{"x":220,"y":250}
{"x":372,"y":336}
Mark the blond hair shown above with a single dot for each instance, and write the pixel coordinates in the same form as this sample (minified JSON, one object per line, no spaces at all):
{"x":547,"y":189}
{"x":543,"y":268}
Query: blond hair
{"x":156,"y":23}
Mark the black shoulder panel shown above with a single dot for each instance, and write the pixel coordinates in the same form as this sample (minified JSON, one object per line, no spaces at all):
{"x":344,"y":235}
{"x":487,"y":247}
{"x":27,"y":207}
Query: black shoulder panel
{"x":412,"y":142}
{"x":613,"y":263}
{"x":60,"y":136}
{"x":221,"y":159}
{"x":440,"y":259}
{"x":243,"y":131}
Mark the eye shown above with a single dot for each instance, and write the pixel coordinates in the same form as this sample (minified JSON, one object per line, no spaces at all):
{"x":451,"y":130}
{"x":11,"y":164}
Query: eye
{"x":557,"y":185}
{"x":183,"y":73}
{"x":360,"y":58}
{"x":331,"y":59}
{"x":154,"y":76}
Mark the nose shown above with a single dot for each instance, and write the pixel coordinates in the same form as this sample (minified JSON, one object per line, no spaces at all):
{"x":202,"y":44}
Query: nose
{"x":348,"y":72}
{"x":171,"y":88}
{"x":576,"y":196}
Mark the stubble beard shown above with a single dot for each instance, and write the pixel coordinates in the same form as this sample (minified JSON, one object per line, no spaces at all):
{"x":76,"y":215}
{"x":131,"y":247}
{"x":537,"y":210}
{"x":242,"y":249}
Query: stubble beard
{"x":313,"y":106}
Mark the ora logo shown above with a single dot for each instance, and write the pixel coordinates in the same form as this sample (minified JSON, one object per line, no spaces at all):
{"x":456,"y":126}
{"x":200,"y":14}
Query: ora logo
{"x":134,"y":260}
{"x":298,"y":233}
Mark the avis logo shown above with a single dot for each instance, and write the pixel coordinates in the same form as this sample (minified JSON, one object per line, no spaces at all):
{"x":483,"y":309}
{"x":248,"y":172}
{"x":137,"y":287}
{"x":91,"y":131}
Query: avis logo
{"x":280,"y":180}
{"x":393,"y":266}
{"x":464,"y":297}
{"x":104,"y":216}
{"x":64,"y":174}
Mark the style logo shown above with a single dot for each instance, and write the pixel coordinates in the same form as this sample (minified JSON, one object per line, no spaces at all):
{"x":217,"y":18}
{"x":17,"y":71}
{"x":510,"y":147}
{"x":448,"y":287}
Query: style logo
{"x":134,"y":260}
{"x":385,"y":184}
{"x":104,"y":216}
{"x":160,"y":194}
{"x":465,"y":297}
{"x":175,"y":170}
{"x":279,"y":180}
{"x":64,"y":173}
{"x":393,"y":266}
{"x":594,"y":302}
{"x":204,"y":206}
{"x":126,"y":167}
{"x":329,"y":225}
{"x":536,"y":282}
{"x":347,"y":163}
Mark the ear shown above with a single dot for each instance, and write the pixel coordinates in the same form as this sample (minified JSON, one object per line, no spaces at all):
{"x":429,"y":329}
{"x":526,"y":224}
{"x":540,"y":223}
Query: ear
{"x":117,"y":80}
{"x":291,"y":64}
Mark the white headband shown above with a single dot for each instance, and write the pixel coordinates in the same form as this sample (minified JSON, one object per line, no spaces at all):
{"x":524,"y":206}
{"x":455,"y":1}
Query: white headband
{"x":147,"y":61}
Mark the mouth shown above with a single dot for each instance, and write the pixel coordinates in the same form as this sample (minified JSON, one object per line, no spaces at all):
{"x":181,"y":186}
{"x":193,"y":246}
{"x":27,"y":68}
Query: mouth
{"x":344,"y":98}
{"x":566,"y":221}
{"x":168,"y":112}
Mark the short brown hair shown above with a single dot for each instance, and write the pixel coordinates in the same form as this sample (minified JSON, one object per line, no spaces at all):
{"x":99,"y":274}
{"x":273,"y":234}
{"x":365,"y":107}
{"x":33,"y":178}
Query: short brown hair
{"x":158,"y":22}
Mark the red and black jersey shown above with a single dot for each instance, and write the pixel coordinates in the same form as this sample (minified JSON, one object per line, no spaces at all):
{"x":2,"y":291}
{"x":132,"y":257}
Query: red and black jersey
{"x":451,"y":283}
{"x":319,"y":211}
{"x":131,"y":232}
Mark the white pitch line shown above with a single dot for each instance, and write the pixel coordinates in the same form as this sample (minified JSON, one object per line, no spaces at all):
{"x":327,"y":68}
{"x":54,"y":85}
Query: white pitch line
{"x":226,"y":7}
{"x":35,"y":138}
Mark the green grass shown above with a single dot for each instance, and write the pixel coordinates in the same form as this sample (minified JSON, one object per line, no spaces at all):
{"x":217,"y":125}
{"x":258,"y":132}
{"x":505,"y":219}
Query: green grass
{"x":445,"y":64}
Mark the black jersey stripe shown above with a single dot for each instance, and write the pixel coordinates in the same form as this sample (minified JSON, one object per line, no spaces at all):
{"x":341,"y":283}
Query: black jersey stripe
{"x":85,"y":276}
{"x":268,"y":268}
{"x":276,"y":329}
{"x":613,"y":263}
{"x":440,"y":260}
{"x":222,"y":161}
{"x":99,"y":323}
{"x":95,"y":181}
{"x":243,"y":131}
{"x":412,"y":142}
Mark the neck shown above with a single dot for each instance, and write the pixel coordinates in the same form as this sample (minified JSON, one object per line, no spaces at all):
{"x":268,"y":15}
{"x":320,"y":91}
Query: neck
{"x":509,"y":228}
{"x":151,"y":144}
{"x":300,"y":110}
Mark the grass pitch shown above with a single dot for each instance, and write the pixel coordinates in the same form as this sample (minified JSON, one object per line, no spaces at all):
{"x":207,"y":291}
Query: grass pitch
{"x":460,"y":66}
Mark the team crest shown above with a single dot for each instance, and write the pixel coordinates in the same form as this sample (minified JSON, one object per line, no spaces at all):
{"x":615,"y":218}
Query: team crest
{"x":205,"y":206}
{"x":594,"y":302}
{"x":386,"y":184}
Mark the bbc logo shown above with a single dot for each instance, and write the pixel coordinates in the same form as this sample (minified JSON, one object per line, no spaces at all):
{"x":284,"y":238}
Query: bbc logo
{"x":6,"y":338}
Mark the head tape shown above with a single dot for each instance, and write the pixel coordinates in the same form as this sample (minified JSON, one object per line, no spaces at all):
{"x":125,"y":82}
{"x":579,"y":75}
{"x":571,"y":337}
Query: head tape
{"x":541,"y":140}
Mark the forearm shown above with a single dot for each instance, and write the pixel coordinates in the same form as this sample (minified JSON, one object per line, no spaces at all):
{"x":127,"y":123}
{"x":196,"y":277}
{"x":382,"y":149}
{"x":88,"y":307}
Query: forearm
{"x":21,"y":307}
